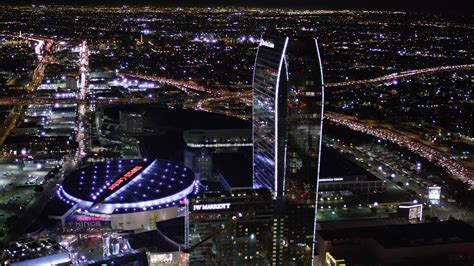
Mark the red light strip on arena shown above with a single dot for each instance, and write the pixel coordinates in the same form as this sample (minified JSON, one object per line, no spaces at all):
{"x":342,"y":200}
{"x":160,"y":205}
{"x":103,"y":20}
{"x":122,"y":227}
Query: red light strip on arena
{"x":88,"y":219}
{"x":126,"y":176}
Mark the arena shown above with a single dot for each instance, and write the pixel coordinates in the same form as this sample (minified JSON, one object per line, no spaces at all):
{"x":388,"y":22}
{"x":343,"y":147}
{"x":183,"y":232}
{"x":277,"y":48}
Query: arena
{"x":125,"y":194}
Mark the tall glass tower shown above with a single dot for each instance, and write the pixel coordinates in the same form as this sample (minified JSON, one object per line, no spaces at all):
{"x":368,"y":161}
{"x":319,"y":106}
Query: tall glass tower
{"x":288,"y":105}
{"x":270,"y":93}
{"x":288,"y":96}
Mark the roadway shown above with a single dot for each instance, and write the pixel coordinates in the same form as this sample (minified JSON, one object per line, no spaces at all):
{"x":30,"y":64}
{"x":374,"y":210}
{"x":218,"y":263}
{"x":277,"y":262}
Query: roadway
{"x":435,"y":156}
{"x":188,"y":87}
{"x":36,"y":80}
{"x":402,"y":75}
{"x":36,"y":205}
{"x":205,"y":104}
{"x":10,"y":122}
{"x":439,"y":158}
{"x":29,"y":99}
{"x":379,"y":160}
{"x":84,"y":108}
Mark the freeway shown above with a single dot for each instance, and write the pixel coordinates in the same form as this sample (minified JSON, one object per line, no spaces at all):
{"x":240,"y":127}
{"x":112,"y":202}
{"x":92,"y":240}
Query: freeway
{"x":183,"y":85}
{"x":38,"y":73}
{"x":382,"y":79}
{"x":379,"y":160}
{"x":204,"y":105}
{"x":84,"y":108}
{"x":429,"y":153}
{"x":36,"y":205}
{"x":36,"y":80}
{"x":439,"y":158}
{"x":103,"y":101}
{"x":34,"y":38}
{"x":10,"y":122}
{"x":402,"y":75}
{"x":191,"y":86}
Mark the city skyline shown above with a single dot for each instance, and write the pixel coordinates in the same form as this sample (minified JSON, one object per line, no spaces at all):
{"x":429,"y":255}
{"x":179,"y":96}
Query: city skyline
{"x":399,"y":5}
{"x":194,"y":135}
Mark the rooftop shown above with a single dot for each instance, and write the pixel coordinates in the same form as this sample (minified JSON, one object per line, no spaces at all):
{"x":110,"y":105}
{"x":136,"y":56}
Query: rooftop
{"x":407,"y":235}
{"x":128,"y":183}
{"x":236,"y":168}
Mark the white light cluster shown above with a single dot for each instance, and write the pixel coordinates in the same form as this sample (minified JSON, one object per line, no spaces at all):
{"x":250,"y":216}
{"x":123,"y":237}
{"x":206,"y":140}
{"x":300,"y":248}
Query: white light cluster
{"x":111,"y":207}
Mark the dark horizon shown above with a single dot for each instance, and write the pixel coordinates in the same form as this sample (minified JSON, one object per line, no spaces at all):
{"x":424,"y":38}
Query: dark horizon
{"x":399,"y":5}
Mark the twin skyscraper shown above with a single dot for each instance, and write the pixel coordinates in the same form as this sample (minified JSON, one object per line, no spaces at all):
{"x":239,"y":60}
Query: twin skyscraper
{"x":288,"y":106}
{"x":288,"y":103}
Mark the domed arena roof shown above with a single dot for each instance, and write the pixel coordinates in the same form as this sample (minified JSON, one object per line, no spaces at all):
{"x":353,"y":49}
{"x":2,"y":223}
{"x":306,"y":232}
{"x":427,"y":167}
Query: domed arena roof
{"x":127,"y":186}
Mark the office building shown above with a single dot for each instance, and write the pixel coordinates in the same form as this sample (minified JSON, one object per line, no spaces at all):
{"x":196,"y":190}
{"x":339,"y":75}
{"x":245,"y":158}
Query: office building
{"x":288,"y":102}
{"x":287,"y":97}
{"x":200,"y":161}
{"x":218,"y":138}
{"x":440,"y":243}
{"x":131,"y":122}
{"x":231,"y":228}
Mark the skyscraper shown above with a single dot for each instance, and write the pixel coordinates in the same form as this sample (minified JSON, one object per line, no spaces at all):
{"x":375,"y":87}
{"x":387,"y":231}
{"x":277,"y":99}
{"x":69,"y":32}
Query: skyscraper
{"x":269,"y":113}
{"x":288,"y":105}
{"x":287,"y":112}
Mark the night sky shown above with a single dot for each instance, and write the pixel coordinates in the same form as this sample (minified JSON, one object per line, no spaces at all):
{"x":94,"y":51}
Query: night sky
{"x":418,"y":5}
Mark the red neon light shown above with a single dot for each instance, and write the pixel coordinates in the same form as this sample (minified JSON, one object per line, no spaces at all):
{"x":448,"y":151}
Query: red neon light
{"x":94,"y":236}
{"x":84,"y":219}
{"x":125,"y":177}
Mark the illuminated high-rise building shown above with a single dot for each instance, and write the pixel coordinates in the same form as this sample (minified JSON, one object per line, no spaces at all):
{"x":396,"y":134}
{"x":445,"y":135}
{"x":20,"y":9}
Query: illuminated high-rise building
{"x":287,"y":112}
{"x":269,"y":113}
{"x":288,"y":103}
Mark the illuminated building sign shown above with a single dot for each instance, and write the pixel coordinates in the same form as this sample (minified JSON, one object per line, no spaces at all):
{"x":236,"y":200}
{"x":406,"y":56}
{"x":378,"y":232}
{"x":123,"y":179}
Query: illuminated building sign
{"x":414,"y":211}
{"x":210,"y":207}
{"x":85,"y":225}
{"x":434,"y":194}
{"x":124,"y":177}
{"x":83,"y":222}
{"x":267,"y":44}
{"x":86,"y":218}
{"x":161,"y":258}
{"x":331,"y":179}
{"x":91,"y":218}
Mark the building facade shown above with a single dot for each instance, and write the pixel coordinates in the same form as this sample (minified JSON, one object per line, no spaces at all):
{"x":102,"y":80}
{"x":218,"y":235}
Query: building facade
{"x":288,"y":105}
{"x":131,"y":122}
{"x":231,"y":228}
{"x":200,"y":161}
{"x":269,"y":96}
{"x":288,"y":94}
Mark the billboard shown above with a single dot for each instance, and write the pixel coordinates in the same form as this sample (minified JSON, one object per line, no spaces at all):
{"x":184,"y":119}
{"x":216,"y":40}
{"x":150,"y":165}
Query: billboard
{"x":414,"y":212}
{"x":434,"y":194}
{"x":172,"y":258}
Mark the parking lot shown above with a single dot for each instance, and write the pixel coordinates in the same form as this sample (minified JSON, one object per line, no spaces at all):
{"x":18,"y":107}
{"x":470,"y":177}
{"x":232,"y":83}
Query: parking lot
{"x":17,"y":190}
{"x":404,"y":175}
